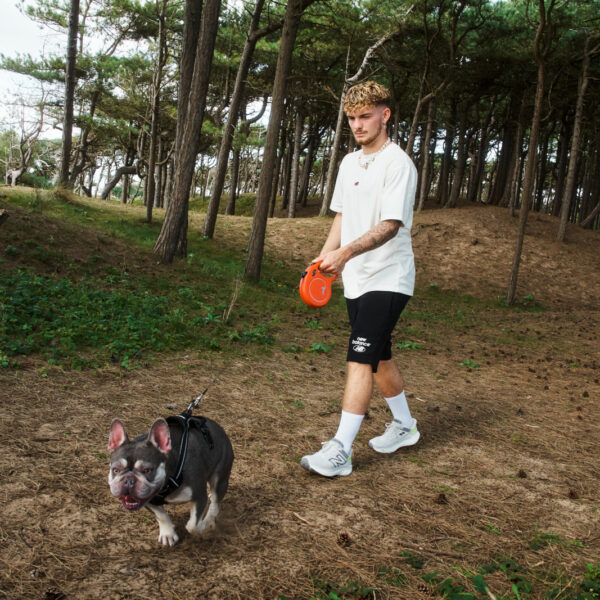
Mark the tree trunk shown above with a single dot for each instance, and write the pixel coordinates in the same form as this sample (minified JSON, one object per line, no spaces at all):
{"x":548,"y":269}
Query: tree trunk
{"x":517,"y":172}
{"x":173,"y":235}
{"x":158,"y":175}
{"x":542,"y":171}
{"x":234,"y":109}
{"x":125,"y":189}
{"x":425,"y":179}
{"x":67,"y":133}
{"x":533,"y":144}
{"x":461,"y":160}
{"x":293,"y":14}
{"x":499,"y":194}
{"x":287,"y":172}
{"x":235,"y":170}
{"x":275,"y":184}
{"x":155,"y":122}
{"x":478,"y":164}
{"x":561,"y":164}
{"x":443,"y":181}
{"x":575,"y":140}
{"x":295,"y":164}
{"x":303,"y":192}
{"x":132,"y":170}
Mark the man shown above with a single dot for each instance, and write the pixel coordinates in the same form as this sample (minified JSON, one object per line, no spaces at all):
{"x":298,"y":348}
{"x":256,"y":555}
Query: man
{"x":370,"y":245}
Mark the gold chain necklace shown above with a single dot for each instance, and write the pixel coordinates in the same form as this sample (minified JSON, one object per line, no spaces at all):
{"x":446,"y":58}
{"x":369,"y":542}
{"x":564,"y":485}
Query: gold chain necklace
{"x":365,"y":163}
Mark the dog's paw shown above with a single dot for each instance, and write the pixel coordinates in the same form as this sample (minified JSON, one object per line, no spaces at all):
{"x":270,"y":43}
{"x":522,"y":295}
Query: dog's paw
{"x":168,"y":538}
{"x":191,"y":527}
{"x":205,"y":525}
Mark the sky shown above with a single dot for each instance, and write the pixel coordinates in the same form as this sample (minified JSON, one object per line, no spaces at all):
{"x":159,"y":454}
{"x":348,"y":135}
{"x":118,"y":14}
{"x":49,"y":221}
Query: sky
{"x":20,"y":35}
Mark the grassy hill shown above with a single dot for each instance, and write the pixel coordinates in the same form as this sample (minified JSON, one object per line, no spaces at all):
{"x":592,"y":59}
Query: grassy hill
{"x":500,"y":494}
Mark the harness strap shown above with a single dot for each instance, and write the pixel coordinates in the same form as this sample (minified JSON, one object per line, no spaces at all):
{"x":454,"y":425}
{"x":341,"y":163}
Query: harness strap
{"x":185,"y":420}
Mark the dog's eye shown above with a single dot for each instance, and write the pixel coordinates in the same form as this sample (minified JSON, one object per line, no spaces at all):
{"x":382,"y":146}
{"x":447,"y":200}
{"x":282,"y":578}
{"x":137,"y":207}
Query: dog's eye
{"x":116,"y":470}
{"x":147,"y":470}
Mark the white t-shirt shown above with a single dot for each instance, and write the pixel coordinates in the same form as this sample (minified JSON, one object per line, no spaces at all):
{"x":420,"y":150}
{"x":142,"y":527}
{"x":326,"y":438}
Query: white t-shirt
{"x":365,"y":197}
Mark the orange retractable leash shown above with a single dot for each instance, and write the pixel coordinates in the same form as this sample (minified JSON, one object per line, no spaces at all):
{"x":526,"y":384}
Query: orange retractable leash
{"x":315,"y":287}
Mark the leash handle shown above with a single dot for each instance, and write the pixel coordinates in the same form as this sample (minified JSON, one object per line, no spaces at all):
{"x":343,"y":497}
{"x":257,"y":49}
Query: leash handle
{"x":195,"y":403}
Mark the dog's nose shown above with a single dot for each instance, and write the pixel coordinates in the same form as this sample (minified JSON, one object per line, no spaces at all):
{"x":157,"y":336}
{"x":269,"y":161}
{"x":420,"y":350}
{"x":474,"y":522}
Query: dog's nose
{"x":129,"y":481}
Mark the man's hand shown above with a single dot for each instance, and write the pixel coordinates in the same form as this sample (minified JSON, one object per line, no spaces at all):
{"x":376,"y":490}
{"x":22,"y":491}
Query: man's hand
{"x":333,"y":262}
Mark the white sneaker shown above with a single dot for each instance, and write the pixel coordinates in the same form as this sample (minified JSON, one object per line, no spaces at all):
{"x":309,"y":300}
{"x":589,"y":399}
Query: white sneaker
{"x":330,"y":460}
{"x":395,"y":436}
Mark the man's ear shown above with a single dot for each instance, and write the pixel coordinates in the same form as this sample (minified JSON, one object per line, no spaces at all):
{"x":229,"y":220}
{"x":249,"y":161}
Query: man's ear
{"x":387,"y":113}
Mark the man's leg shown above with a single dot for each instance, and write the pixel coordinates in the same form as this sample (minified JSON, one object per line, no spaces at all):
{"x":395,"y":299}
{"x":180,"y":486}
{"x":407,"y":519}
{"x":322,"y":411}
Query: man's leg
{"x":357,"y":396}
{"x":359,"y":388}
{"x":402,"y":431}
{"x":388,"y":379}
{"x":335,"y":456}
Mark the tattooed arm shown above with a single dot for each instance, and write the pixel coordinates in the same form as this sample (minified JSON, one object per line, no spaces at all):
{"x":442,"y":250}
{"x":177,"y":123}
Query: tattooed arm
{"x":335,"y":260}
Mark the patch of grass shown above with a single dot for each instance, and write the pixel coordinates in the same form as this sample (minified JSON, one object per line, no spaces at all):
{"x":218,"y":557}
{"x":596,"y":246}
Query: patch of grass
{"x":544,"y":539}
{"x":469,"y":363}
{"x":84,"y":324}
{"x":244,"y":204}
{"x":527,"y":303}
{"x":320,"y":348}
{"x":392,"y":575}
{"x":313,"y":324}
{"x":408,"y":345}
{"x":416,"y":562}
{"x":332,"y":591}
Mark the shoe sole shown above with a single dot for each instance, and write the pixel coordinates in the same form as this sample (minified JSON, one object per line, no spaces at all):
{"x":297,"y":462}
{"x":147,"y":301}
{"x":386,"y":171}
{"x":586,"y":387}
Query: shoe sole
{"x":391,"y":449}
{"x":306,"y":465}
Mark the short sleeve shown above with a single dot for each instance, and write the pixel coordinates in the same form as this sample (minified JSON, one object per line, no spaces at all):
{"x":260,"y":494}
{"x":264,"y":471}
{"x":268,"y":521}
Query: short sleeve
{"x":399,"y":188}
{"x":337,"y":203}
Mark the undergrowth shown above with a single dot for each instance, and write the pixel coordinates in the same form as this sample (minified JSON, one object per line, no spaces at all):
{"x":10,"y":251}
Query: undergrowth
{"x":467,"y":584}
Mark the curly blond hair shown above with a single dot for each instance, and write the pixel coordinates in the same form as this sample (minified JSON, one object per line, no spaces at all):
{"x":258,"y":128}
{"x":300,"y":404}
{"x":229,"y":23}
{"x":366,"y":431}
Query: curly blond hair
{"x":369,"y":93}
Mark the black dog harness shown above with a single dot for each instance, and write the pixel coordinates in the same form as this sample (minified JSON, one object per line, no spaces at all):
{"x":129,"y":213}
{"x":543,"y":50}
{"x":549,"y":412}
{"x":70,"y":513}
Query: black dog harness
{"x":186,"y":420}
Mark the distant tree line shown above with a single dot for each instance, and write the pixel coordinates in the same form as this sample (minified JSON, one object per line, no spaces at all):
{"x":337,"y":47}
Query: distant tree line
{"x":494,"y":101}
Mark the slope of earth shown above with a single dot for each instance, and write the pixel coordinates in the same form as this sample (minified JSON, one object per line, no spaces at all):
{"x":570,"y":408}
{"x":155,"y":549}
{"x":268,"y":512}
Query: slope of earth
{"x":502,"y":491}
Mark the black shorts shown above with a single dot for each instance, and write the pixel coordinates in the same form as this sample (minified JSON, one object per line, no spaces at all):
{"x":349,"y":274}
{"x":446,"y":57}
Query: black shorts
{"x":373,"y":317}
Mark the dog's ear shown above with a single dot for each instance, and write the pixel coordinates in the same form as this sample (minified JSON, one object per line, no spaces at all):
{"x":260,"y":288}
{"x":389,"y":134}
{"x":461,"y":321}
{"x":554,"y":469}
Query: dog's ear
{"x":117,"y":435}
{"x":160,"y":436}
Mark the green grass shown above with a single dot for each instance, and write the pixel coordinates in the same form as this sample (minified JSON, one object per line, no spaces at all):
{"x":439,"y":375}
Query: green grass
{"x":98,"y":313}
{"x":244,"y":205}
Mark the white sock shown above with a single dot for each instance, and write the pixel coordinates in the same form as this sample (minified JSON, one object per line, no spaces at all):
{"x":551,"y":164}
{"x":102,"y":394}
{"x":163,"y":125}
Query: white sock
{"x":348,"y":429}
{"x":399,"y":407}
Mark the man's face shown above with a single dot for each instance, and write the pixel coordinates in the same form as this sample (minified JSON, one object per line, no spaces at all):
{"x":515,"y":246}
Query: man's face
{"x":368,"y":123}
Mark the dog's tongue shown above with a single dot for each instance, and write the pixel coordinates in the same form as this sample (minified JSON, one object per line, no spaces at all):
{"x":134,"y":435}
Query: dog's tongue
{"x":130,"y":502}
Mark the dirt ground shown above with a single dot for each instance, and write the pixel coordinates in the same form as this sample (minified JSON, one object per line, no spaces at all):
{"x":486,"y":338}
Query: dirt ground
{"x":507,"y":467}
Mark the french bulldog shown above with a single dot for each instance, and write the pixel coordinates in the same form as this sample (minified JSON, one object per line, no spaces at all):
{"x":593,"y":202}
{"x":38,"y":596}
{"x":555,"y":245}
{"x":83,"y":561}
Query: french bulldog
{"x":142,"y":471}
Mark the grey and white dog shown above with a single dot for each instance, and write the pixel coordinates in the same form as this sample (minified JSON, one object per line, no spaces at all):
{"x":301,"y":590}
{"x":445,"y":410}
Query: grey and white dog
{"x":143,"y":471}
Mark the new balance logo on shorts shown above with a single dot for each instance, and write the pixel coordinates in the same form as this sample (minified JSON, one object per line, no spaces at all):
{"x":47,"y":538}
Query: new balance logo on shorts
{"x":360,"y":344}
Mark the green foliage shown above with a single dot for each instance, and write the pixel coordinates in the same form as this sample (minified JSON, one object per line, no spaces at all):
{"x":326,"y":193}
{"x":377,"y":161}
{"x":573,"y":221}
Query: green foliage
{"x":527,"y":303}
{"x":83,"y":324}
{"x":353,"y":589}
{"x":319,"y":347}
{"x":392,"y":576}
{"x":469,"y":363}
{"x":416,"y":562}
{"x":408,"y":345}
{"x":258,"y":335}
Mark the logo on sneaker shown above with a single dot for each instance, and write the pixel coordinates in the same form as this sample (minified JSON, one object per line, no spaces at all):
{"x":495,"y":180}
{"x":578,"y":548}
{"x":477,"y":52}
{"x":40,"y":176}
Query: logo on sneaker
{"x":338,"y":460}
